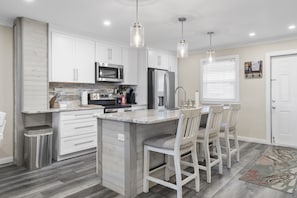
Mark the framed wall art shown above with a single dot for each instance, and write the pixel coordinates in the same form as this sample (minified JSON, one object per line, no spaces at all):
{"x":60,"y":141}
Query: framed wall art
{"x":253,"y":69}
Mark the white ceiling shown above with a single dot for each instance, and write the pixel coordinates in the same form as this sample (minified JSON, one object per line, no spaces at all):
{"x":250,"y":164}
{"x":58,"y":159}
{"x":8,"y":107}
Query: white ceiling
{"x":231,"y":20}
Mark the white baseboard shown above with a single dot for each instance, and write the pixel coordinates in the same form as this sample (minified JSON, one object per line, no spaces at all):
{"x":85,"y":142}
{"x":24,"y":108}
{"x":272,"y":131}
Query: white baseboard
{"x":254,"y":140}
{"x":6,"y":160}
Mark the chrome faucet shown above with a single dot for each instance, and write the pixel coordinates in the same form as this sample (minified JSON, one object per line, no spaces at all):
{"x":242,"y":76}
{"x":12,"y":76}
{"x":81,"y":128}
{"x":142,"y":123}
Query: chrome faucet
{"x":185,"y":94}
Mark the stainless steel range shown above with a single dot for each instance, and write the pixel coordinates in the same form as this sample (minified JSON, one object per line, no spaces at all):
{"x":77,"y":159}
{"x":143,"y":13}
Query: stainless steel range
{"x":111,"y":104}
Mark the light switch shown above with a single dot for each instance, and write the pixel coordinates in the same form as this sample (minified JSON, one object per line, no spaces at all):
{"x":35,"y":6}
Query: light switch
{"x":121,"y":137}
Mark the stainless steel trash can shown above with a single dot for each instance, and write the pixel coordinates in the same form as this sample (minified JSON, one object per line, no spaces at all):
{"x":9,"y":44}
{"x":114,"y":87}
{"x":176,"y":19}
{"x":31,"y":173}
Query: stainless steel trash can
{"x":38,"y":147}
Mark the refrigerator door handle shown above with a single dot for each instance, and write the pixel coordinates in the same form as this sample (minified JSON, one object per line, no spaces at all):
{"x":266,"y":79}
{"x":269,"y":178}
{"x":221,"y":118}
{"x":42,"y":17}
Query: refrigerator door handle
{"x":166,"y":90}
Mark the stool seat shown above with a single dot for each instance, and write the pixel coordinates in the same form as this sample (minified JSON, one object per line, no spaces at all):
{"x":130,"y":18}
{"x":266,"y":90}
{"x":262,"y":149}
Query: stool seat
{"x":165,"y":141}
{"x":223,"y":127}
{"x":202,"y":132}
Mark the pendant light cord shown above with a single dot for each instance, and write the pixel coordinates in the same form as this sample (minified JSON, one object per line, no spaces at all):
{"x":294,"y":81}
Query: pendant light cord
{"x":210,"y":41}
{"x":137,"y":11}
{"x":182,"y":30}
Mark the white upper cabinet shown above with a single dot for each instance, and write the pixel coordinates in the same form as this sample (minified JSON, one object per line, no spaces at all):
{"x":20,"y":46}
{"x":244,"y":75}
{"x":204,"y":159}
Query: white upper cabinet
{"x":108,"y":54}
{"x":63,"y":58}
{"x":85,"y":61}
{"x":72,"y":59}
{"x":172,"y":63}
{"x":130,"y":60}
{"x":157,"y":60}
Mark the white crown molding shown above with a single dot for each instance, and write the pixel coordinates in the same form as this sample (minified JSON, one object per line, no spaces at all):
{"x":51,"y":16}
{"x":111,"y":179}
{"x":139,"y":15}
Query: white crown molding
{"x":246,"y":44}
{"x":6,"y":22}
{"x":84,"y":35}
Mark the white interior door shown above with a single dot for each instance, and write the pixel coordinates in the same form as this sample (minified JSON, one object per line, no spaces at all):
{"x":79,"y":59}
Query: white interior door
{"x":284,"y":100}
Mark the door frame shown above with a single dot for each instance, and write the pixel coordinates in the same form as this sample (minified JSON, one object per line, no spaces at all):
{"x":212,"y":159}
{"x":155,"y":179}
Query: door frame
{"x":269,"y":56}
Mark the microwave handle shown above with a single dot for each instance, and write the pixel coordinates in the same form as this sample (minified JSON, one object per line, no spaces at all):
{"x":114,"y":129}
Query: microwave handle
{"x":121,"y":74}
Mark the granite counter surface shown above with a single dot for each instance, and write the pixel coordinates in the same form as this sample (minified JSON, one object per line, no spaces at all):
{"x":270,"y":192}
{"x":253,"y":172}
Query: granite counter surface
{"x":142,"y":117}
{"x":149,"y":116}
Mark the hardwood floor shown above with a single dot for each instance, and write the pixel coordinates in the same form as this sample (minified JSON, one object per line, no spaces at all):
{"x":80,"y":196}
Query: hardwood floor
{"x":76,"y":178}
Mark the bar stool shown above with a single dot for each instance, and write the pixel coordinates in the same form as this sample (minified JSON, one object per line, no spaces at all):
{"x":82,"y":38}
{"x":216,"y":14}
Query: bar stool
{"x":210,"y":134}
{"x":175,"y":145}
{"x":229,"y":128}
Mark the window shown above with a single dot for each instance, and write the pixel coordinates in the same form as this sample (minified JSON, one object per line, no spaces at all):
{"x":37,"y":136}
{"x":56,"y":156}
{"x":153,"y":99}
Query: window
{"x":219,"y":80}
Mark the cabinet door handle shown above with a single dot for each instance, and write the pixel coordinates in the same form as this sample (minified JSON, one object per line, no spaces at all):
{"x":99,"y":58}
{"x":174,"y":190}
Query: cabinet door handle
{"x":159,"y":60}
{"x":84,"y":114}
{"x":109,"y":54}
{"x":76,"y":74}
{"x":81,"y":127}
{"x":77,"y":144}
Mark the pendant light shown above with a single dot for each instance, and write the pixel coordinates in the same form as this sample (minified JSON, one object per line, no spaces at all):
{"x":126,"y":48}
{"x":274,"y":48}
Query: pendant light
{"x":182,"y":45}
{"x":136,"y":32}
{"x":210,"y":52}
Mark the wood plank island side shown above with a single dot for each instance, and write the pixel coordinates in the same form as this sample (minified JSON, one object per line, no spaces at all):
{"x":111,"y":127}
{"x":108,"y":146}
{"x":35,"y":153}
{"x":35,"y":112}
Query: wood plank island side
{"x":120,"y":163}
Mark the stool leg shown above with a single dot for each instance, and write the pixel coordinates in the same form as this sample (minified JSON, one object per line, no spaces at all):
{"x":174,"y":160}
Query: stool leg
{"x":146,"y":163}
{"x":196,"y":168}
{"x":228,"y":149}
{"x":207,"y":161}
{"x":178,"y":174}
{"x":218,"y":145}
{"x":167,"y":171}
{"x":236,"y":145}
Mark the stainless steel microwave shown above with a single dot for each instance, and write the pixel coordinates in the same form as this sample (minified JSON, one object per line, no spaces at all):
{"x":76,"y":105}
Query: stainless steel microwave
{"x":109,"y":72}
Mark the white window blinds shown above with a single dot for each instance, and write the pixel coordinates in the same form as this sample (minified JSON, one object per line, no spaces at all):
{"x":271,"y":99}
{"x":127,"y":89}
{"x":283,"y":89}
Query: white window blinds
{"x":219,"y":80}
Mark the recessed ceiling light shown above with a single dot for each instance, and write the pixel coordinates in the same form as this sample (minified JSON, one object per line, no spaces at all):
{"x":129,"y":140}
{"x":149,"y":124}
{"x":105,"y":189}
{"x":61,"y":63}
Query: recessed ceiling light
{"x":106,"y":23}
{"x":29,"y":1}
{"x":252,"y":34}
{"x":292,"y":27}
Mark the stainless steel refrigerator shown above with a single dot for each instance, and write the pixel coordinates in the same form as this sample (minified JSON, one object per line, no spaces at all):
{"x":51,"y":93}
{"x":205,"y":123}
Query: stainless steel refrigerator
{"x":161,"y":87}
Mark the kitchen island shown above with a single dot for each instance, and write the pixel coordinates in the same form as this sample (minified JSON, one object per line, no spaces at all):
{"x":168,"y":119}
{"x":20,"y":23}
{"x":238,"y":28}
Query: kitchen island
{"x":120,"y":146}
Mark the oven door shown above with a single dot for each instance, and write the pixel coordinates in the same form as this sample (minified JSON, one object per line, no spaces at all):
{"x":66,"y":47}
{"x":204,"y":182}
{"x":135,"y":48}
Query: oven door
{"x":109,"y":73}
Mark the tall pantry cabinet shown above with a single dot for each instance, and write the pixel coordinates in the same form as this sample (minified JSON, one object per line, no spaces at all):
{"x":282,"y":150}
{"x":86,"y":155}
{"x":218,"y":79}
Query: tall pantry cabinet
{"x":30,"y":75}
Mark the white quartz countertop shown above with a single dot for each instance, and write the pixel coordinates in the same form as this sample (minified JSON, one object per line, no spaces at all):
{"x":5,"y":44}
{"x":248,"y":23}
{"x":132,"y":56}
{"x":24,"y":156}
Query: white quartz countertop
{"x":56,"y":110}
{"x":150,"y":116}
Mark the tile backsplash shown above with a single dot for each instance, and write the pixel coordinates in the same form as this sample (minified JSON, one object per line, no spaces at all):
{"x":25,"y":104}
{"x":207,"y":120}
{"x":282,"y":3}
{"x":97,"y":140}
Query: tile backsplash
{"x":69,"y":93}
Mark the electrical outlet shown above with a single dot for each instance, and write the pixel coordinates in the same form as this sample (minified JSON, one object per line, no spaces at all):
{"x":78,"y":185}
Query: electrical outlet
{"x":121,"y":137}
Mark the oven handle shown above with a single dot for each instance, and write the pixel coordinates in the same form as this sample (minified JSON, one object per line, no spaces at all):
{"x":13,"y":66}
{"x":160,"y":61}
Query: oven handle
{"x":110,"y":110}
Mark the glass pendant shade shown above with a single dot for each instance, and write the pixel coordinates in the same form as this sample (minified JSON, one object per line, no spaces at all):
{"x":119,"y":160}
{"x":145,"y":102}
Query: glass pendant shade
{"x":210,"y":56}
{"x":182,"y":49}
{"x":136,"y":35}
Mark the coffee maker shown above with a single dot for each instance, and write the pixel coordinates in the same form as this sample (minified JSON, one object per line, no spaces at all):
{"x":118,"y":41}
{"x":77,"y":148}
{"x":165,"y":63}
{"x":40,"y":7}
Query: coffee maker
{"x":130,"y":97}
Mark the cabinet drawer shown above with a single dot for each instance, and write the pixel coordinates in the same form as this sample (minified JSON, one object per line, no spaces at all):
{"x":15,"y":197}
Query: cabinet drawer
{"x":78,"y":143}
{"x":77,"y":115}
{"x":78,"y":128}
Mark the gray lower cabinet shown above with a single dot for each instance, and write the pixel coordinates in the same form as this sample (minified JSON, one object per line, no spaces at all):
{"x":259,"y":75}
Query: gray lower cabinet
{"x":75,"y":133}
